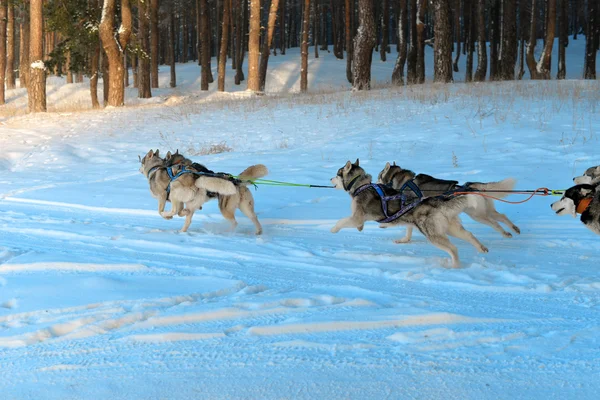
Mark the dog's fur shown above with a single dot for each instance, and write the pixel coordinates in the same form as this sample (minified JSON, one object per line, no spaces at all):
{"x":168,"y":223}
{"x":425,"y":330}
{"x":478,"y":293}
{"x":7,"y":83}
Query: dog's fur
{"x":436,"y":218}
{"x":482,"y":211}
{"x":591,"y":176}
{"x":568,"y":204}
{"x":231,"y":194}
{"x":159,"y":180}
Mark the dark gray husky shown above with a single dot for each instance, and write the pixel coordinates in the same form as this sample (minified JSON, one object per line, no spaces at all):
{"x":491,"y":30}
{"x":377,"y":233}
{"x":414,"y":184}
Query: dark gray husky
{"x":482,"y":210}
{"x":436,"y":218}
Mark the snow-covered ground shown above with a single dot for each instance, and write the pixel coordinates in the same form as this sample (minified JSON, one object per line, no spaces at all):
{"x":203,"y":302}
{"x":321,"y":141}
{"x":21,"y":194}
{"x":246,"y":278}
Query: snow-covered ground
{"x":101,"y":298}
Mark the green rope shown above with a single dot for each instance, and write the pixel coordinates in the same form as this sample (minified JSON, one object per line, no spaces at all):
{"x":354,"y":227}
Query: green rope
{"x":269,"y":182}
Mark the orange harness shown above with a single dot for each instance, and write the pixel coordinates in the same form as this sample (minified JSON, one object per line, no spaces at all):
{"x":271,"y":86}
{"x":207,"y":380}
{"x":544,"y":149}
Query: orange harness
{"x":583,"y":205}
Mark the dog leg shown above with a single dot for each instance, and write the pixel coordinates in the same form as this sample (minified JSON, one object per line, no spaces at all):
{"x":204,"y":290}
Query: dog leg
{"x":443,"y":243}
{"x":504,"y":219}
{"x":489,"y":221}
{"x":456,"y":229}
{"x":188,"y":221}
{"x":247,"y":207}
{"x":349,"y":222}
{"x":228,"y":212}
{"x":406,"y":237}
{"x":162,"y":201}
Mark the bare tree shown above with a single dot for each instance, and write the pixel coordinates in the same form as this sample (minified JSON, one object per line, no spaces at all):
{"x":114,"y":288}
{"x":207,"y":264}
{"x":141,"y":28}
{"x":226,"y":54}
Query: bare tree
{"x":224,"y":42}
{"x":36,"y":82}
{"x":385,"y":29}
{"x":398,"y":73}
{"x":420,"y":22}
{"x":442,"y":53}
{"x":154,"y":36}
{"x":282,"y":27}
{"x":114,"y":45}
{"x":541,"y":69}
{"x":10,"y":56}
{"x":591,"y":40}
{"x":304,"y":50}
{"x":3,"y":20}
{"x":508,"y":52}
{"x":563,"y":38}
{"x":265,"y":53}
{"x":411,"y":60}
{"x":469,"y":21}
{"x":240,"y":34}
{"x":144,"y":85}
{"x":172,"y":39}
{"x":204,"y":46}
{"x":457,"y":35}
{"x":24,"y":47}
{"x":364,"y":43}
{"x":254,"y":46}
{"x":495,"y":28}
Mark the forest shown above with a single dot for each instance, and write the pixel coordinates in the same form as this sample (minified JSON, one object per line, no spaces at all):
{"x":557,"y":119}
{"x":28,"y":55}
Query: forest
{"x":109,"y":40}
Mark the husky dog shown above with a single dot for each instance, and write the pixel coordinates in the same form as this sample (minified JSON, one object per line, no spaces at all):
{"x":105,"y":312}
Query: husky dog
{"x":581,"y":199}
{"x":435,"y":217}
{"x":482,"y":211}
{"x":591,"y":176}
{"x":238,"y":197}
{"x":180,"y":191}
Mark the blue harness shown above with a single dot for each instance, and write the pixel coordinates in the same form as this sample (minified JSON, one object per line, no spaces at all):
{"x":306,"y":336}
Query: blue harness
{"x":385,"y":199}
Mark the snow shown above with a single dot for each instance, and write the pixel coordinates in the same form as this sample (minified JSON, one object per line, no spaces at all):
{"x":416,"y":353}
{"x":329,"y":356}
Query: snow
{"x":102,"y":298}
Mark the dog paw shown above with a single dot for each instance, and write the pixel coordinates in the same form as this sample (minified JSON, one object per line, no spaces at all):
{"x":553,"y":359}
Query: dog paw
{"x":506,"y":234}
{"x":335,"y":230}
{"x":184,"y":213}
{"x":360,"y":228}
{"x":402,"y":241}
{"x":383,"y":226}
{"x":166,"y":215}
{"x":516,"y":229}
{"x":484,"y":249}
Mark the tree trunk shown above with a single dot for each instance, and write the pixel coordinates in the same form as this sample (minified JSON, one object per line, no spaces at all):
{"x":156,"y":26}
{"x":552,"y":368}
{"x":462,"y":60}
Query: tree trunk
{"x":282,"y":28}
{"x":241,"y":34}
{"x":421,"y":6}
{"x":254,"y":46}
{"x":544,"y":64}
{"x":24,"y":48}
{"x":591,"y":40}
{"x":494,"y":39}
{"x":442,"y":53}
{"x":224,"y":44}
{"x":481,"y":70}
{"x":144,"y":86}
{"x":68,"y":67}
{"x":10,"y":57}
{"x":531,"y":64}
{"x":184,"y":36}
{"x":113,"y":47}
{"x":563,"y":38}
{"x":457,"y":31}
{"x":265,"y":53}
{"x":411,"y":60}
{"x":172,"y":39}
{"x":508,"y":55}
{"x":154,"y":35}
{"x":523,"y":18}
{"x":385,"y":29}
{"x":36,"y":82}
{"x":105,"y":78}
{"x":304,"y":49}
{"x":398,"y":73}
{"x":363,"y":46}
{"x":469,"y":18}
{"x":94,"y":64}
{"x":349,"y":41}
{"x":315,"y":17}
{"x":3,"y":20}
{"x":204,"y":46}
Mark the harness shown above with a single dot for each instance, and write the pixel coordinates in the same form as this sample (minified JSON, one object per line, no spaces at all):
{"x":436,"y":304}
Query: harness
{"x":583,"y":205}
{"x":404,"y":208}
{"x":184,"y":171}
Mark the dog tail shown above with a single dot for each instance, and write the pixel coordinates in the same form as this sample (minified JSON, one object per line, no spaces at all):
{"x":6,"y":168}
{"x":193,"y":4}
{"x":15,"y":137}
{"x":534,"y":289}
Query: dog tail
{"x":253,"y":172}
{"x":496,"y":188}
{"x":216,"y":185}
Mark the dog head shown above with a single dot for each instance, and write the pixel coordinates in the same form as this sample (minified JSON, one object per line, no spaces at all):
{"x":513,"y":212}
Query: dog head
{"x":176,"y":159}
{"x":393,"y":174}
{"x":348,"y":175}
{"x":591,"y":176}
{"x":569,"y":203}
{"x":150,"y":160}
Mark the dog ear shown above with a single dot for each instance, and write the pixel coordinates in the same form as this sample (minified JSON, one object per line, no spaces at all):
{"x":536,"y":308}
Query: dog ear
{"x":168,"y":156}
{"x":177,"y":151}
{"x":140,"y":158}
{"x":348,"y":166}
{"x":357,"y":162}
{"x":586,"y":192}
{"x":394,"y":163}
{"x":150,"y":154}
{"x":156,"y":152}
{"x":387,"y":166}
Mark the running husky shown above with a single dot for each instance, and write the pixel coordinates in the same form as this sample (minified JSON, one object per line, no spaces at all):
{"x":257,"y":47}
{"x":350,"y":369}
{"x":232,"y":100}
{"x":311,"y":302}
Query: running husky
{"x":187,"y":189}
{"x":435,"y":217}
{"x":591,"y":176}
{"x":581,"y":199}
{"x":482,"y":211}
{"x":237,"y":194}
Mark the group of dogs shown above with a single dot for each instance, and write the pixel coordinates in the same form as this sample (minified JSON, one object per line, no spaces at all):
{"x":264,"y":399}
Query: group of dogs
{"x":399,"y":197}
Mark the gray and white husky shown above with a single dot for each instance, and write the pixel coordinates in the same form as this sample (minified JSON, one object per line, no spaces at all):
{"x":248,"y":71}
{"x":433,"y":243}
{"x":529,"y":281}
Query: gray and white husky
{"x":591,"y":176}
{"x":232,"y":194}
{"x":482,"y":209}
{"x":434,"y":217}
{"x":581,"y":199}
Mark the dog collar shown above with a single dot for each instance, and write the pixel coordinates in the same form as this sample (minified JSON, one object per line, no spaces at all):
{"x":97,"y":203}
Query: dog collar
{"x":352,"y":182}
{"x":583,"y":205}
